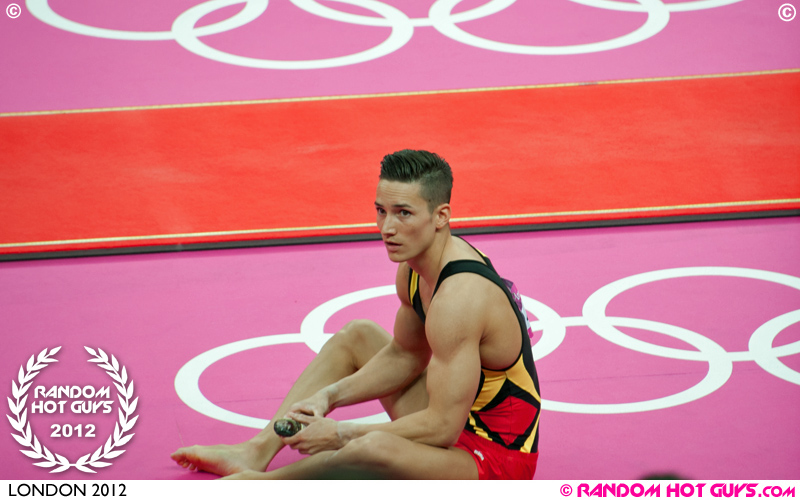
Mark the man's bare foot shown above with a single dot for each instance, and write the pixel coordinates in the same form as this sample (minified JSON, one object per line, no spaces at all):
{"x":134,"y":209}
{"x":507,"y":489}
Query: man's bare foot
{"x":247,"y":475}
{"x":221,"y":459}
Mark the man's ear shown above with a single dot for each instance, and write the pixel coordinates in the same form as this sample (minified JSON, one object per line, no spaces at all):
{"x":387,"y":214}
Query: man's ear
{"x":442,"y":215}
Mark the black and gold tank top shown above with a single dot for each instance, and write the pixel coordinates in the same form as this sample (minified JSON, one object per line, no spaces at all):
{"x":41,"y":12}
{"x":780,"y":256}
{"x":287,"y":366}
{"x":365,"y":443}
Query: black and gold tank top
{"x":507,"y":406}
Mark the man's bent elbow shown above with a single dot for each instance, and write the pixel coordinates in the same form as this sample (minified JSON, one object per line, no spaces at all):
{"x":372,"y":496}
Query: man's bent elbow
{"x":452,"y":438}
{"x":444,"y":436}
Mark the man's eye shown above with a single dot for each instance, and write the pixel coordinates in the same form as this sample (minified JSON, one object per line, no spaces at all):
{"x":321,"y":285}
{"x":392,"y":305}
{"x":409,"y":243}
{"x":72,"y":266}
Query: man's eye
{"x":405,"y":213}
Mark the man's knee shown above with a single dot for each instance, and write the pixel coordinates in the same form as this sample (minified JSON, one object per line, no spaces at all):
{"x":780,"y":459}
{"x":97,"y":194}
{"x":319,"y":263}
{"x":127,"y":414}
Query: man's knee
{"x":374,"y":451}
{"x":361,"y":327}
{"x":360,"y":336}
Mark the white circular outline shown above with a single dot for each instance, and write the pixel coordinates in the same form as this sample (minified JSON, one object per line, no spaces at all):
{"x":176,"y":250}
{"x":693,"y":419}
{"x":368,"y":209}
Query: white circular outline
{"x":594,"y":309}
{"x":761,"y":341}
{"x":720,"y":368}
{"x":657,"y":19}
{"x":688,"y":6}
{"x":184,"y":29}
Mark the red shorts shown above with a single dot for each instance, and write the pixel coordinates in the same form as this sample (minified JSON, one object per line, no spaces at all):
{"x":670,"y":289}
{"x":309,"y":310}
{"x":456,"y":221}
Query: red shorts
{"x":495,"y":461}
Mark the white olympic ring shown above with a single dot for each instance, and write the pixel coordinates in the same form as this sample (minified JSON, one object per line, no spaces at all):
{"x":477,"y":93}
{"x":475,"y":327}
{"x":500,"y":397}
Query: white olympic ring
{"x":719,"y":369}
{"x":672,"y":7}
{"x":185,"y":32}
{"x":553,"y":327}
{"x":594,"y":309}
{"x":657,"y":19}
{"x":766,"y":356}
{"x":184,"y":26}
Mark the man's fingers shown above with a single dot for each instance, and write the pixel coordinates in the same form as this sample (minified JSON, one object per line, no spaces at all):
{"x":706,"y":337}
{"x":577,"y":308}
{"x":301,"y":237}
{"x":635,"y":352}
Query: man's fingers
{"x":297,"y":444}
{"x":301,"y":417}
{"x":302,"y":407}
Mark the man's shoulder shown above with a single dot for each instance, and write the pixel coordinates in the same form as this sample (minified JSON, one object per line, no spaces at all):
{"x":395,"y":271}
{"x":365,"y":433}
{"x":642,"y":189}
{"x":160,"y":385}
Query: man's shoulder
{"x":459,"y":309}
{"x":402,"y":282}
{"x":463,"y":291}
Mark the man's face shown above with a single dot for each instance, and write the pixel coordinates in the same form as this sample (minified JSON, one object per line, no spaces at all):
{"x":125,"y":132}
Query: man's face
{"x":406,"y":223}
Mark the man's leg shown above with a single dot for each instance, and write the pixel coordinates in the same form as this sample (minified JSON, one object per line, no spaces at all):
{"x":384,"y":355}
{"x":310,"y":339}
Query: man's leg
{"x":345,"y":353}
{"x":378,"y":455}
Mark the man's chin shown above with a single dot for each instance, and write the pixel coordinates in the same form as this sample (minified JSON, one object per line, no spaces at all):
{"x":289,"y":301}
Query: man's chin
{"x":394,"y":257}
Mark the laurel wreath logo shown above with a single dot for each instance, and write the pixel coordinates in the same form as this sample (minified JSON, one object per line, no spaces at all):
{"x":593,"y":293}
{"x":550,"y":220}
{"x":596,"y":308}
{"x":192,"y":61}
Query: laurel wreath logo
{"x":116,"y":440}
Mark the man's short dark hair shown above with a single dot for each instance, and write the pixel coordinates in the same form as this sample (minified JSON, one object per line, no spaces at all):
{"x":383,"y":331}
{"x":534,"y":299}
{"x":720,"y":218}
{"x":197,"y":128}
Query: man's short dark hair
{"x":429,"y":169}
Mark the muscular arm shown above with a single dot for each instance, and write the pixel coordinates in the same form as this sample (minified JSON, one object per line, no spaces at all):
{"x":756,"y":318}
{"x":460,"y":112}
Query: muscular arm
{"x":391,"y":369}
{"x":454,"y":326}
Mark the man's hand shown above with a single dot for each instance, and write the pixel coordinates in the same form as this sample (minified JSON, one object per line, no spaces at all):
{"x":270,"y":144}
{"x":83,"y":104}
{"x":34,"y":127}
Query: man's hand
{"x":318,"y":405}
{"x":320,"y":434}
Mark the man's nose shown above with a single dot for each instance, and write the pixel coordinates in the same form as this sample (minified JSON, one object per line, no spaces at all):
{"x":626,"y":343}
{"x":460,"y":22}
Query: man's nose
{"x":387,"y":227}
